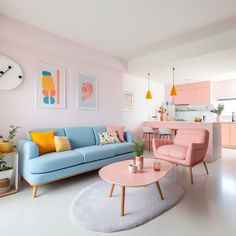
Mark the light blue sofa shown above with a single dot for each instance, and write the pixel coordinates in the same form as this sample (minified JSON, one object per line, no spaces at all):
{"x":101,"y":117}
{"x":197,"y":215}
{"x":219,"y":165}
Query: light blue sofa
{"x":86,"y":155}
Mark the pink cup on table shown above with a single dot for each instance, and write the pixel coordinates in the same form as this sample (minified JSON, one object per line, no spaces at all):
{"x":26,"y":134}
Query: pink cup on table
{"x":157,"y":165}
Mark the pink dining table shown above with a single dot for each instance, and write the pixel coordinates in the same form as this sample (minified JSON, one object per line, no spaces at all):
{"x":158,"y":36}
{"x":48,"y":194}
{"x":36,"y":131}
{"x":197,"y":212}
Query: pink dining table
{"x":118,"y":174}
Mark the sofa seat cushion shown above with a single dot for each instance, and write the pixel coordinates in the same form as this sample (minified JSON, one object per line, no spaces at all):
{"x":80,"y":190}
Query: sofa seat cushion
{"x":121,"y":148}
{"x":96,"y":152}
{"x":173,"y":150}
{"x":55,"y":161}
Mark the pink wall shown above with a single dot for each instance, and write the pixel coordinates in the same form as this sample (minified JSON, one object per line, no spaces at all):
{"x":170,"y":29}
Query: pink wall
{"x":28,"y":45}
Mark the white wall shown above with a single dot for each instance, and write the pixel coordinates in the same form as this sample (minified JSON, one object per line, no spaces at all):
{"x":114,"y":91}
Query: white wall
{"x":143,"y":108}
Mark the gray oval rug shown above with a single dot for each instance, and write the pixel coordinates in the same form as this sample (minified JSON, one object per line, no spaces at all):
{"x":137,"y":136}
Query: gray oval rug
{"x":93,"y":210}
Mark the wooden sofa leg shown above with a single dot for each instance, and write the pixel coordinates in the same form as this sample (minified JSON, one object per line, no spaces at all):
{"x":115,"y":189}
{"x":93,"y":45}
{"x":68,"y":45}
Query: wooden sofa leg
{"x":191,"y":174}
{"x":204,"y":163}
{"x":34,"y":191}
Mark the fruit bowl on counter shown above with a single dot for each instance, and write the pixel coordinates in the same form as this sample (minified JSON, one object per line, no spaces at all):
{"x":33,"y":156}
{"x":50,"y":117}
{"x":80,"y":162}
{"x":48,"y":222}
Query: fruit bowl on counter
{"x":197,"y":119}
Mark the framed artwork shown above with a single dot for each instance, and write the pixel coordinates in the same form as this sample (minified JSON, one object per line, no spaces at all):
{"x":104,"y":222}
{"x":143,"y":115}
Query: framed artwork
{"x":86,"y":91}
{"x":50,"y":86}
{"x":128,"y":101}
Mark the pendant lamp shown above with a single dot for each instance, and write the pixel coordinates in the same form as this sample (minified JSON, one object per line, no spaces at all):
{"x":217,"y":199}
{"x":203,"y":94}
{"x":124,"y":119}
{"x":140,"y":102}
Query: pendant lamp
{"x":173,"y":91}
{"x":148,"y":94}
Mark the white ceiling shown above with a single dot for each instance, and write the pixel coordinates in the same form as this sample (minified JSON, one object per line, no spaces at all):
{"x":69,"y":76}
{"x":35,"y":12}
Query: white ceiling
{"x":126,"y":28}
{"x":214,"y":66}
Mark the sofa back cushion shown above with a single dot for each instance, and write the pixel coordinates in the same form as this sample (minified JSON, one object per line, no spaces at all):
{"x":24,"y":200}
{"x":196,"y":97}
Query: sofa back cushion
{"x":57,"y":132}
{"x":96,"y":130}
{"x":80,"y":136}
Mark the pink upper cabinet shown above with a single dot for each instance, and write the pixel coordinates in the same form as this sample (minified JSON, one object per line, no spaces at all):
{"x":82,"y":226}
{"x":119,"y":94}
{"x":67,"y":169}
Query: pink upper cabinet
{"x":194,"y":93}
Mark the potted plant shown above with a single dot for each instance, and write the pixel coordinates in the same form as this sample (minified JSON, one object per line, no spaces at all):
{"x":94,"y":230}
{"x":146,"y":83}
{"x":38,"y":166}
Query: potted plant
{"x":138,"y":149}
{"x":6,"y":145}
{"x":218,"y":111}
{"x":5,"y":175}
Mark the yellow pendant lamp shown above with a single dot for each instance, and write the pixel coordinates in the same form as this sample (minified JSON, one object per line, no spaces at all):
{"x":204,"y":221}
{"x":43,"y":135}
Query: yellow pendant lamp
{"x":173,"y":91}
{"x":148,"y":94}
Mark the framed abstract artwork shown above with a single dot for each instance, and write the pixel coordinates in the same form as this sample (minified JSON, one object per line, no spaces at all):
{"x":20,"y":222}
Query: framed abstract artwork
{"x":50,"y":86}
{"x":86,"y":92}
{"x":128,"y":101}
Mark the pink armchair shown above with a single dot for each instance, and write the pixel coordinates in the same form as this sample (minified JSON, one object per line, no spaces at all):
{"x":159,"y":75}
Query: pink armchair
{"x":188,"y":149}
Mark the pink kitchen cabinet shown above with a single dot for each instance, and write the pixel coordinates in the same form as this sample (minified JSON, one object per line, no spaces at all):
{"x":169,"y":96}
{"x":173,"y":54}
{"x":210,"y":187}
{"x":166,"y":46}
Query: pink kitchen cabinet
{"x":229,"y":135}
{"x":225,"y":135}
{"x":194,"y":93}
{"x":232,"y":135}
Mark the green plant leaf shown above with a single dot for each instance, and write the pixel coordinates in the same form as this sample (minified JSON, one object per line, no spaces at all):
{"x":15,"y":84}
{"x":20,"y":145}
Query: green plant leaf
{"x":138,"y":147}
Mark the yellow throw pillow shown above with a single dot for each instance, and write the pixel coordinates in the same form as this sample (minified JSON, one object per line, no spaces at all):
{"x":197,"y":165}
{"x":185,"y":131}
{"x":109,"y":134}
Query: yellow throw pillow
{"x":45,"y":141}
{"x":62,"y":143}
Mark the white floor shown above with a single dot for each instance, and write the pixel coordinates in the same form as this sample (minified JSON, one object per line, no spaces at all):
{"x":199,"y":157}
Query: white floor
{"x":209,"y":207}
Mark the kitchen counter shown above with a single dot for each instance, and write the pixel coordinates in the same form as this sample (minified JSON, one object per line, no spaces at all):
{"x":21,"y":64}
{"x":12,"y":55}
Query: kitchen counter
{"x":214,"y":150}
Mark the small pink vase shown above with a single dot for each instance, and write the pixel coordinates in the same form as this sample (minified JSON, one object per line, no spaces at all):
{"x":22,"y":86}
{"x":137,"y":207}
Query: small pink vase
{"x":217,"y":118}
{"x":139,"y":162}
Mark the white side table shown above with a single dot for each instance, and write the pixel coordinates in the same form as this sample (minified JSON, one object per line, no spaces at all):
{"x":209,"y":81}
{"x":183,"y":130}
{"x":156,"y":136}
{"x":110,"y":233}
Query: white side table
{"x":11,"y":159}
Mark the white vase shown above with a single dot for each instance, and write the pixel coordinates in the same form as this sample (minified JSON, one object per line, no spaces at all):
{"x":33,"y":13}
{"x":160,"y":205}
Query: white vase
{"x":132,"y":168}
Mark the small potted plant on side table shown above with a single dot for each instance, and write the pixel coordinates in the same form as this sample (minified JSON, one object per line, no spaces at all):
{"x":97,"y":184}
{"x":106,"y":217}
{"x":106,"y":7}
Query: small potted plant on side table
{"x":138,"y":149}
{"x":218,"y":111}
{"x":5,"y":176}
{"x":6,"y":145}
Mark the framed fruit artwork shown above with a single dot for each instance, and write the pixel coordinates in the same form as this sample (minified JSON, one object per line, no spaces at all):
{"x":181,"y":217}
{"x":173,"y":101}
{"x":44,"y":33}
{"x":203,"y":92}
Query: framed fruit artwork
{"x":50,"y":86}
{"x":86,"y":91}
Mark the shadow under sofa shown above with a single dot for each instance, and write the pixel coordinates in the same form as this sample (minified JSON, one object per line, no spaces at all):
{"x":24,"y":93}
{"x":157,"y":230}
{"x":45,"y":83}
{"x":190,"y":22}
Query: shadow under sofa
{"x":86,"y":154}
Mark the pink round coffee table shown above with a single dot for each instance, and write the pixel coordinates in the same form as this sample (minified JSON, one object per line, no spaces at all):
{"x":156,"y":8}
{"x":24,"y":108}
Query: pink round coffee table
{"x":118,"y":174}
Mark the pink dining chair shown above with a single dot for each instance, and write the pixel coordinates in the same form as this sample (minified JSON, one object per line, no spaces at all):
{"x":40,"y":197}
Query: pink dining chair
{"x":188,"y":148}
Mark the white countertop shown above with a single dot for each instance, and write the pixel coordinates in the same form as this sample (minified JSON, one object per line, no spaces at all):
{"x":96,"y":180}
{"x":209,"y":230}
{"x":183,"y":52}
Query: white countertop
{"x":192,"y":122}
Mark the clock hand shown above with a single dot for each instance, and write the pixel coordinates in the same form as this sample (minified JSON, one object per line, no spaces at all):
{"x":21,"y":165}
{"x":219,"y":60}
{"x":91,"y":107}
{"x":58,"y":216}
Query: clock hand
{"x":4,"y":72}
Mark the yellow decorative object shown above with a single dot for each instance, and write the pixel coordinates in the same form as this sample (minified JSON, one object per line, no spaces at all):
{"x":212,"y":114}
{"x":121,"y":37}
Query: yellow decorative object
{"x":149,"y":95}
{"x":5,"y":147}
{"x":45,"y":141}
{"x":173,"y":91}
{"x":62,"y":143}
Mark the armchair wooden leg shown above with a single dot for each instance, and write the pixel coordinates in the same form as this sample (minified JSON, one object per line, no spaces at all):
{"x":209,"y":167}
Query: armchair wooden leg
{"x":34,"y":191}
{"x":191,"y":174}
{"x":205,"y":167}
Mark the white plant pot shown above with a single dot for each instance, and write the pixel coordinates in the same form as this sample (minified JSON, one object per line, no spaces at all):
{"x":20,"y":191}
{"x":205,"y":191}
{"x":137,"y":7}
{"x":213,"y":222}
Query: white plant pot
{"x":6,"y":174}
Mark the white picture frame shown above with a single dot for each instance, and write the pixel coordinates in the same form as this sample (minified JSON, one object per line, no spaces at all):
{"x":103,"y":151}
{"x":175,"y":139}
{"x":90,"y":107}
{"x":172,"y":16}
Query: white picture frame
{"x":87,"y":91}
{"x":128,"y":101}
{"x":50,"y":86}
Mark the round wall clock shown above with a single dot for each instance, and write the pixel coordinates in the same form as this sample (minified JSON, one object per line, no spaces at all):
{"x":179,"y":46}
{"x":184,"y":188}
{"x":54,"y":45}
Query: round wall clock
{"x":10,"y":73}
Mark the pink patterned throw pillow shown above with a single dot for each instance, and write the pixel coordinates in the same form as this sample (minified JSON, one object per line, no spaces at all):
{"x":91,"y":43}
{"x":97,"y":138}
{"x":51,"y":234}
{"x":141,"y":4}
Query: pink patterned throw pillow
{"x":119,"y":130}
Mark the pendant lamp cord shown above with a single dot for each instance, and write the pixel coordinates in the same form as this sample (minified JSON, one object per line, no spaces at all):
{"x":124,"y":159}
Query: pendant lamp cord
{"x":148,"y":81}
{"x":173,"y":76}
